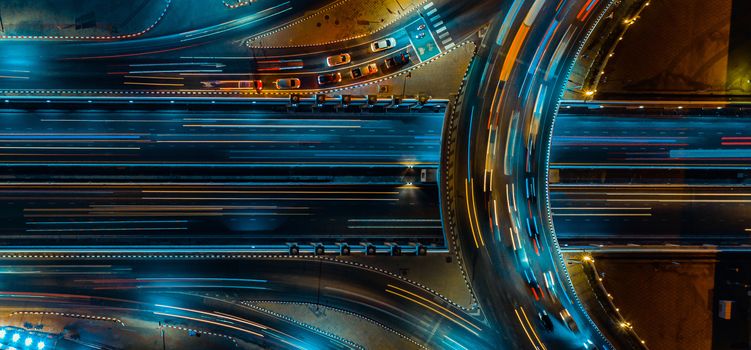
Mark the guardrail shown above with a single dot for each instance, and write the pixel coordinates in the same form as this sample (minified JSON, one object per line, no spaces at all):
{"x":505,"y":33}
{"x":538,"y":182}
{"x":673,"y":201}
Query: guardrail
{"x":617,"y":323}
{"x":294,"y":102}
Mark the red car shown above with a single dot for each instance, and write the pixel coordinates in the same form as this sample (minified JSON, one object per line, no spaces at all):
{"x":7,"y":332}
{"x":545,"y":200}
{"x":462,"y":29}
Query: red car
{"x":328,"y":79}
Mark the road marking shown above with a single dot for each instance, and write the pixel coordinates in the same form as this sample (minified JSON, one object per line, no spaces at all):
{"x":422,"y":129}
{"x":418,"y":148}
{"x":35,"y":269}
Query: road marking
{"x":441,"y":30}
{"x":443,"y":35}
{"x":449,"y":46}
{"x":429,"y":5}
{"x":435,"y":18}
{"x":446,"y":41}
{"x":438,"y":24}
{"x":431,"y":12}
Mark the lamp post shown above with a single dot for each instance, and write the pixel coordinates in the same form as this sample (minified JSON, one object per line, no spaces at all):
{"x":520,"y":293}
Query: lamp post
{"x":404,"y":86}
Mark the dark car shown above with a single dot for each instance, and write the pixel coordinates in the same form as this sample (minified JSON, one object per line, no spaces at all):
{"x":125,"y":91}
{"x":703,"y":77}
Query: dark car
{"x":328,"y":79}
{"x":545,"y":320}
{"x":534,"y":287}
{"x":397,"y":61}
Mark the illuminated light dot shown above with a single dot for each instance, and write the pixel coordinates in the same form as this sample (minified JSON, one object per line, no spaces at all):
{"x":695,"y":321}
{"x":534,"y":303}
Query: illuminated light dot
{"x":15,"y":337}
{"x":28,"y":341}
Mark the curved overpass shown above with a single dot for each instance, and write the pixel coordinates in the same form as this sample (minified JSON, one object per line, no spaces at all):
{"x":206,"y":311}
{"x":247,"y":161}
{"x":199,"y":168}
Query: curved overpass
{"x":495,"y":189}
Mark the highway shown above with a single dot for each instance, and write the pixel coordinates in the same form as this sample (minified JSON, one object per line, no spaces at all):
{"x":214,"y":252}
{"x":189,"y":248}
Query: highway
{"x":495,"y":189}
{"x":132,"y":175}
{"x":651,"y":175}
{"x":113,"y":283}
{"x":180,"y":63}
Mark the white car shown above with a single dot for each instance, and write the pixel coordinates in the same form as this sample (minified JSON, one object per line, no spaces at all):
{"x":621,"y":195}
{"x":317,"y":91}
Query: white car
{"x":338,"y":60}
{"x":384,"y":44}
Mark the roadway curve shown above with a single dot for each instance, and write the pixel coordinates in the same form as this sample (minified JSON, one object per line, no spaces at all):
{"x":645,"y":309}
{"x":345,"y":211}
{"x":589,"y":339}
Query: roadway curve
{"x":409,"y":309}
{"x":495,"y":163}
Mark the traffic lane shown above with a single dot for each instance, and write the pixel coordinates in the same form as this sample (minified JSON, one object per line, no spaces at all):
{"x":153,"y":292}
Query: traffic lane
{"x":411,"y":310}
{"x":58,"y":64}
{"x":34,"y":65}
{"x":649,"y":141}
{"x":200,"y":138}
{"x":157,"y":71}
{"x":86,"y":214}
{"x":181,"y":311}
{"x":656,"y":214}
{"x":508,"y":178}
{"x":314,"y":58}
{"x":308,"y":75}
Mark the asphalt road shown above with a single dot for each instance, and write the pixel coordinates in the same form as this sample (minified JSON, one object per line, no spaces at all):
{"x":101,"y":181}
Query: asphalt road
{"x":651,"y":177}
{"x":244,"y":177}
{"x":181,"y":287}
{"x":181,"y":61}
{"x":496,"y":176}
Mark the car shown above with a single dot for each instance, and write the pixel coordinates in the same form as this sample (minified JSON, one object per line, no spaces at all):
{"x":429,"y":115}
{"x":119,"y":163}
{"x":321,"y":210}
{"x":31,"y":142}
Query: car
{"x":382,"y":45}
{"x":421,"y":27}
{"x":420,"y":35}
{"x":545,"y":320}
{"x":533,"y":285}
{"x":330,"y":78}
{"x":397,"y":61}
{"x":568,"y":321}
{"x":234,"y":84}
{"x":338,"y":60}
{"x":287,"y":83}
{"x":364,"y":71}
{"x":532,"y":228}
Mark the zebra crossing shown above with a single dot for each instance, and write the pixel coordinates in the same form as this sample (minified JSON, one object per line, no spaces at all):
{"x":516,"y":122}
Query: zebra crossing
{"x":437,"y":24}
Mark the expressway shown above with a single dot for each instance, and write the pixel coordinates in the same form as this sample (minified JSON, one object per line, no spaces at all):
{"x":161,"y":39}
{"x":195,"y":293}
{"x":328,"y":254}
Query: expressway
{"x":655,"y":175}
{"x":161,"y":174}
{"x":495,"y":189}
{"x":112,"y":283}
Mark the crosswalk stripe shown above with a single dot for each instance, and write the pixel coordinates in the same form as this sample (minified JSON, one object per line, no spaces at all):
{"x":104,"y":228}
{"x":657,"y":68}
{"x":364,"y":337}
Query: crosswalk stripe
{"x":438,"y":24}
{"x":432,"y":12}
{"x":449,"y":46}
{"x":443,"y":35}
{"x":445,"y":41}
{"x":441,"y":30}
{"x":435,"y":18}
{"x":430,"y":4}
